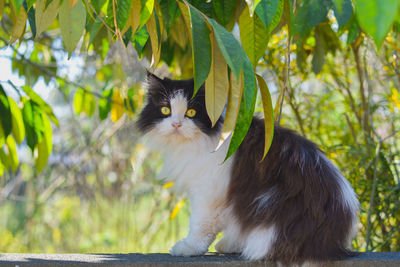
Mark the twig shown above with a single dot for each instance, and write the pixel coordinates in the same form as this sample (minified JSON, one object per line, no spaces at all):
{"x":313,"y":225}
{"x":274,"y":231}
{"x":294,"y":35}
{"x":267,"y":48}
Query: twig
{"x":365,"y":119}
{"x":117,"y":32}
{"x":102,"y":21}
{"x":55,"y":75}
{"x":287,"y":72}
{"x":371,"y":201}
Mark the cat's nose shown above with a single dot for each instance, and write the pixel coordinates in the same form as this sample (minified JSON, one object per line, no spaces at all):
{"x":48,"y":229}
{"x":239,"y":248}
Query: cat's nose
{"x":176,"y":125}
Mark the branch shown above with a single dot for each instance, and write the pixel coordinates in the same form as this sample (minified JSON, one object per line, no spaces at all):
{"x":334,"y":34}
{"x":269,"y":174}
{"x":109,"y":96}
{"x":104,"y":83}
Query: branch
{"x":55,"y":75}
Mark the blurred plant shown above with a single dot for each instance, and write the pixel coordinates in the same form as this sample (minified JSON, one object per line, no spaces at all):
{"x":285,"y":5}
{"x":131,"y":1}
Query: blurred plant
{"x":328,"y":79}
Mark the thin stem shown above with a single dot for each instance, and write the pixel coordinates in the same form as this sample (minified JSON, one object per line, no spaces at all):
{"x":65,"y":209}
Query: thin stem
{"x":372,"y":197}
{"x":102,"y":21}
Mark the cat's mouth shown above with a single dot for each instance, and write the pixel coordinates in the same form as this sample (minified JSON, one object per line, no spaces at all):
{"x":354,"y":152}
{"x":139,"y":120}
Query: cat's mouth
{"x":176,"y":132}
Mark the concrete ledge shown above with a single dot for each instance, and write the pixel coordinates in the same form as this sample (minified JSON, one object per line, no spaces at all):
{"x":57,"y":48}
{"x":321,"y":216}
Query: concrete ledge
{"x":381,"y":259}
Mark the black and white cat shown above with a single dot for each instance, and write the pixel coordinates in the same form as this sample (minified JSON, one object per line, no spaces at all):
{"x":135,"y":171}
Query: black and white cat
{"x":292,"y":207}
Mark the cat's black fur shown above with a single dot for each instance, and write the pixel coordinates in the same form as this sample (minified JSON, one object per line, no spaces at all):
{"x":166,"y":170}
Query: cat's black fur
{"x":306,"y":206}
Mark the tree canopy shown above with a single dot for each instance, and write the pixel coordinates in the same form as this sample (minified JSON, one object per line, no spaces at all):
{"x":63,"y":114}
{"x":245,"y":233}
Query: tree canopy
{"x":194,"y":38}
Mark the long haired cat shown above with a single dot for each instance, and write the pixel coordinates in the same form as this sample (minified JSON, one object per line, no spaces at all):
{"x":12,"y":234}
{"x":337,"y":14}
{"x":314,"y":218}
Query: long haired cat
{"x":293,"y":206}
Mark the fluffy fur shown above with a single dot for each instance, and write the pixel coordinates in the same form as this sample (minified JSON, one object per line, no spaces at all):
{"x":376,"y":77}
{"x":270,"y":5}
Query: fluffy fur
{"x":294,"y":206}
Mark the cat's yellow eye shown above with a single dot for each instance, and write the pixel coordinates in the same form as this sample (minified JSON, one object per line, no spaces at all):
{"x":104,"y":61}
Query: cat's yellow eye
{"x":165,"y":110}
{"x":191,"y":113}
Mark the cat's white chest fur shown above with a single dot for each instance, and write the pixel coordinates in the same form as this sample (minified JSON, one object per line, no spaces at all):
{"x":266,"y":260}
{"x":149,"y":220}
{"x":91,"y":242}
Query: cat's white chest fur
{"x":196,"y":169}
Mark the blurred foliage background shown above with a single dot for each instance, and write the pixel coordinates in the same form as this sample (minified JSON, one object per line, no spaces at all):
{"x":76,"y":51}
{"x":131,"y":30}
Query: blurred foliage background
{"x":78,"y":179}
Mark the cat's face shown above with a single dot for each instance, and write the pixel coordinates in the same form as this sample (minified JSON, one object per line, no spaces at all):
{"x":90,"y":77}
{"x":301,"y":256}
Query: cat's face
{"x":171,"y":114}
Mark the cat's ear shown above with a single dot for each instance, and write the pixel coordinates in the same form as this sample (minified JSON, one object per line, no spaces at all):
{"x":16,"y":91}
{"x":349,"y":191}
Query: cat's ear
{"x":152,"y":78}
{"x":153,"y":83}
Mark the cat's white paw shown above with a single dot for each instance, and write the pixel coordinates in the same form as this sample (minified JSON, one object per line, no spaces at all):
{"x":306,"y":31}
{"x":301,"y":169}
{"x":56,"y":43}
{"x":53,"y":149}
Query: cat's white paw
{"x":183,"y":248}
{"x":225,"y":246}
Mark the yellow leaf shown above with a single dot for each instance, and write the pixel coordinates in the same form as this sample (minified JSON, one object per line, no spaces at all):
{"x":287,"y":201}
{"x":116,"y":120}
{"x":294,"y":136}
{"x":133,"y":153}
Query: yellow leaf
{"x":155,"y":42}
{"x":72,"y":3}
{"x":18,"y":128}
{"x":176,"y":209}
{"x":117,"y":106}
{"x":44,"y":148}
{"x":44,"y":17}
{"x":268,"y":113}
{"x":395,"y":98}
{"x":217,"y":83}
{"x":157,"y":9}
{"x":89,"y":104}
{"x":1,"y":8}
{"x":19,"y":26}
{"x":12,"y":153}
{"x":168,"y":185}
{"x":186,"y":17}
{"x":176,"y":32}
{"x":278,"y":104}
{"x":134,"y":17}
{"x":232,"y":108}
{"x":79,"y":100}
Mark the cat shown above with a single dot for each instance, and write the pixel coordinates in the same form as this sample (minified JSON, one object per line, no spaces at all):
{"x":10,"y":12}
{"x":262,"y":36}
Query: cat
{"x":292,"y":207}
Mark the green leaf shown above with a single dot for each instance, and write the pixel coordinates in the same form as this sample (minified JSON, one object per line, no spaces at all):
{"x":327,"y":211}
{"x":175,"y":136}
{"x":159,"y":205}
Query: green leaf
{"x":254,"y":36}
{"x":129,"y":102}
{"x":94,"y":29}
{"x":5,"y":112}
{"x":376,"y":17}
{"x":19,"y":26}
{"x":79,"y":100}
{"x":18,"y":129}
{"x":146,"y":11}
{"x":44,"y":17}
{"x":1,"y":16}
{"x":4,"y":162}
{"x":223,"y":10}
{"x":338,"y":4}
{"x":45,"y":146}
{"x":105,"y":104}
{"x":45,"y":107}
{"x":31,"y":18}
{"x":32,"y":117}
{"x":270,"y":13}
{"x":29,"y":4}
{"x":344,"y":12}
{"x":217,"y":83}
{"x":310,"y":14}
{"x":246,"y":110}
{"x":353,"y":31}
{"x":230,"y":48}
{"x":232,"y":108}
{"x":98,"y":5}
{"x":319,"y":53}
{"x":17,"y":4}
{"x":268,"y":113}
{"x":288,"y":14}
{"x":122,"y":9}
{"x":155,"y":39}
{"x":252,"y":5}
{"x":170,"y":11}
{"x":90,"y":104}
{"x":72,"y":24}
{"x":237,"y":60}
{"x":140,"y":39}
{"x":12,"y":153}
{"x":201,"y":48}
